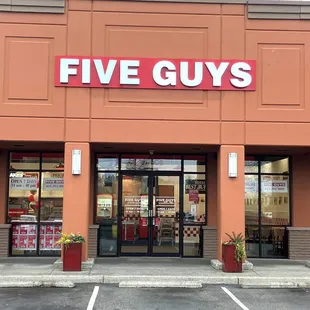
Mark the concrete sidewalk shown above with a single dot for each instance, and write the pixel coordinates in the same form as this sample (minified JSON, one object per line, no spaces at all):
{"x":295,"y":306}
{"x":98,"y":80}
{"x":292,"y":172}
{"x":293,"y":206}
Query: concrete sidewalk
{"x":152,"y":272}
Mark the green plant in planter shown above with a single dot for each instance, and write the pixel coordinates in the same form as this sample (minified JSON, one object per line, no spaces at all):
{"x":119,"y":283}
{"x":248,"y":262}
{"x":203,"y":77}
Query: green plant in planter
{"x":238,"y":242}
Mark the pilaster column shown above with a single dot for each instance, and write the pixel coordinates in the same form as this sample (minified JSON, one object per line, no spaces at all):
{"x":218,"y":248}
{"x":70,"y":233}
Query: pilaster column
{"x":230,"y":202}
{"x":76,"y":201}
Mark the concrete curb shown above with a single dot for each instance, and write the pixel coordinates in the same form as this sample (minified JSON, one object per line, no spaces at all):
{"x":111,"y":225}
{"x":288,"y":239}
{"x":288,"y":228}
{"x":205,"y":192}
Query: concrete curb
{"x":201,"y":279}
{"x":274,"y":282}
{"x":69,"y":281}
{"x":24,"y":284}
{"x":76,"y":279}
{"x":160,"y":284}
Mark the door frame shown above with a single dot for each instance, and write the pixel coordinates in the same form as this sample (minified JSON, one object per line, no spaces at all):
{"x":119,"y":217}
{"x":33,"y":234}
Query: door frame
{"x":151,"y":176}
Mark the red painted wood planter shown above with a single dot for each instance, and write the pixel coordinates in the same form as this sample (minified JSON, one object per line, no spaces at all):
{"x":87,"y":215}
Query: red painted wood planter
{"x":72,"y":257}
{"x":228,"y":259}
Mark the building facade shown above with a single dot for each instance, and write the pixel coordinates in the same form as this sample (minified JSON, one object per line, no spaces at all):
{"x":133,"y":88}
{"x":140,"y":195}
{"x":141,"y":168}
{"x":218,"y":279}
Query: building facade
{"x":155,"y":169}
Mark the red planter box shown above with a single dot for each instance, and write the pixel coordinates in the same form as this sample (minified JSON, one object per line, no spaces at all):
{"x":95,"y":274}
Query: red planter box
{"x":72,"y":257}
{"x":228,"y":259}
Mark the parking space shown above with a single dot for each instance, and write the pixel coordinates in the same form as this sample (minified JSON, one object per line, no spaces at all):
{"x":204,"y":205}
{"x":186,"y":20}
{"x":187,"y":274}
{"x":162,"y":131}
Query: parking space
{"x":110,"y":297}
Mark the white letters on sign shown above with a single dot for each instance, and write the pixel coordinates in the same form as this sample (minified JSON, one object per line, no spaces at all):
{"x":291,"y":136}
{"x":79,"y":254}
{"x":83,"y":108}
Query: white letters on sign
{"x":153,"y":73}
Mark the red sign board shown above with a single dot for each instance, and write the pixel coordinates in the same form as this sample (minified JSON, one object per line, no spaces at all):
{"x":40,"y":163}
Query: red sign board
{"x":154,"y":73}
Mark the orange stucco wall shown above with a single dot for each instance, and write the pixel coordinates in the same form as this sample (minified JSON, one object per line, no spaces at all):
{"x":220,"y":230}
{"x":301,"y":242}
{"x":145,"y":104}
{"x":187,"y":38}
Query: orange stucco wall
{"x":277,"y":113}
{"x":110,"y":28}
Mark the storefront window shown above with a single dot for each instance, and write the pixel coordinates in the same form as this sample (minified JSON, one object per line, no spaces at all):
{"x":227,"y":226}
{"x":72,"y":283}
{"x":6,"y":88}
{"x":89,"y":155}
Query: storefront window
{"x":107,"y":163}
{"x":275,"y":208}
{"x":251,"y":166}
{"x":23,"y":196}
{"x":191,"y":240}
{"x":156,"y":163}
{"x":194,"y":198}
{"x":53,"y":161}
{"x":106,"y":212}
{"x":251,"y":200}
{"x":267,"y":207}
{"x":52,"y":186}
{"x":35,"y":203}
{"x":195,"y":164}
{"x":24,"y":161}
{"x":274,"y":165}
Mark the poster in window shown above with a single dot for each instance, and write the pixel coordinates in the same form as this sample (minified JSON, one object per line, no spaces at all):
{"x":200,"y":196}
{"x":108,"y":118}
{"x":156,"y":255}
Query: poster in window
{"x":16,"y":229}
{"x":42,"y":241}
{"x":56,"y":238}
{"x":42,"y":230}
{"x":23,"y":229}
{"x":49,"y":239}
{"x":22,"y":241}
{"x":32,"y":230}
{"x":199,"y":185}
{"x":32,"y":242}
{"x":15,"y":241}
{"x":49,"y":230}
{"x":53,"y":184}
{"x":104,"y":205}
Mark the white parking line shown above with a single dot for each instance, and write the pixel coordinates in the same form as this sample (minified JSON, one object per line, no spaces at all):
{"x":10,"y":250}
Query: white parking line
{"x":93,"y":298}
{"x":234,"y":298}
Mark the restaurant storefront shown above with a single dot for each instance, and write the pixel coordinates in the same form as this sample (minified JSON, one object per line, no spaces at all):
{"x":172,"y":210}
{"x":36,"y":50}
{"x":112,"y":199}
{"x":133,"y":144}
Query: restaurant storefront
{"x":150,"y":205}
{"x":154,"y":129}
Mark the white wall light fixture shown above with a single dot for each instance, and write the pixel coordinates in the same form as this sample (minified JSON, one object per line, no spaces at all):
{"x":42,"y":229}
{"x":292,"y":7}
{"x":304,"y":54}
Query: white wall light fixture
{"x":232,"y":165}
{"x":76,"y":162}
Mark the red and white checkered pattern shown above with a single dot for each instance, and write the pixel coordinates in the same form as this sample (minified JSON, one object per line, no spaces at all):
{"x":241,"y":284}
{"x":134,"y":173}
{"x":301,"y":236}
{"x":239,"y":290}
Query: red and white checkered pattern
{"x":188,"y":232}
{"x":130,"y":217}
{"x":201,"y":218}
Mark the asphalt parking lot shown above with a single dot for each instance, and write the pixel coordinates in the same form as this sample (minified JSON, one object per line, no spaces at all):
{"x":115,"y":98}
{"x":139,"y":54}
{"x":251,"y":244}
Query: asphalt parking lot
{"x":112,"y":297}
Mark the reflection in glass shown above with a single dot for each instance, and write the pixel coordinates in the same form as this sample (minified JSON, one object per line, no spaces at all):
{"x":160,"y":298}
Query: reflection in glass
{"x":275,"y":165}
{"x":107,"y":163}
{"x":53,"y":161}
{"x":52,"y":187}
{"x":24,"y":161}
{"x":23,"y":196}
{"x":166,"y":210}
{"x":275,"y":200}
{"x":252,"y":241}
{"x":106,"y":213}
{"x":134,"y":232}
{"x":194,"y":198}
{"x":251,"y":166}
{"x":195,"y":164}
{"x":151,"y":163}
{"x":191,"y":240}
{"x":274,"y":242}
{"x":251,"y":200}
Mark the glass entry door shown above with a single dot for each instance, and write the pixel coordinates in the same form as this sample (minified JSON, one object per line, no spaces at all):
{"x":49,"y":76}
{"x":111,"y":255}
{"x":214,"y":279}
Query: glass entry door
{"x":149,"y":215}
